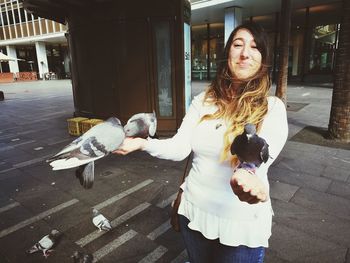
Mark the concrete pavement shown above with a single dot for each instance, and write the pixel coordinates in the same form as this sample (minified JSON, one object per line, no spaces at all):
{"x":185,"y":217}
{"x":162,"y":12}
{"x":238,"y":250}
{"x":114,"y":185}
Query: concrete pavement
{"x":310,"y":187}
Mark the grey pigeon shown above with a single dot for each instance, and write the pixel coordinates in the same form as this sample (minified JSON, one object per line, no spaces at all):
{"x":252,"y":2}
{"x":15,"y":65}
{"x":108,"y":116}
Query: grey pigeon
{"x":100,"y":221}
{"x":96,"y":143}
{"x":46,"y":243}
{"x":141,"y":125}
{"x":251,"y":150}
{"x":80,"y":257}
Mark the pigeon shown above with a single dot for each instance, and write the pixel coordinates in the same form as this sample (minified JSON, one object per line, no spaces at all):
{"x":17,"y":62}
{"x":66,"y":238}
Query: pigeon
{"x":96,"y":143}
{"x":45,"y":243}
{"x":100,"y":221}
{"x":141,"y":125}
{"x":80,"y":257}
{"x":251,"y":150}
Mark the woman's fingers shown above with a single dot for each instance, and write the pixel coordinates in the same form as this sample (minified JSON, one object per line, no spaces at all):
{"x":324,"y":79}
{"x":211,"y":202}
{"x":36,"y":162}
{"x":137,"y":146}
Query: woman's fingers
{"x":248,"y":187}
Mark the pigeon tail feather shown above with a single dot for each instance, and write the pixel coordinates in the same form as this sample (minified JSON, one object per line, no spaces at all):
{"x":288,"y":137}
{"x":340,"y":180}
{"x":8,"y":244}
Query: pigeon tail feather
{"x":85,"y":174}
{"x":71,"y":163}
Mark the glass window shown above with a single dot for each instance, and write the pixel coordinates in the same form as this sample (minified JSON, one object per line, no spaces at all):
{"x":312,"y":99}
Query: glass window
{"x":163,"y":53}
{"x":202,"y":56}
{"x":216,"y":47}
{"x":199,"y":52}
{"x":323,"y":46}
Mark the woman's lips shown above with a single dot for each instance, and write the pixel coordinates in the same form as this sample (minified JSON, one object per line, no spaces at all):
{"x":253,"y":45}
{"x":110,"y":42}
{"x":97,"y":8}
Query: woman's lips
{"x":243,"y":65}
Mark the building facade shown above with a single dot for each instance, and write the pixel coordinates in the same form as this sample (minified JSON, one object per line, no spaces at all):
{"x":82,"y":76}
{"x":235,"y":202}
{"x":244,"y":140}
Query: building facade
{"x":39,"y":44}
{"x":42,"y":47}
{"x":313,"y":35}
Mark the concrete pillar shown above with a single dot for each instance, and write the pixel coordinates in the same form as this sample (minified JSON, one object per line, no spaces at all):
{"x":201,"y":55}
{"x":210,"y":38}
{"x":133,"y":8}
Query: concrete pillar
{"x":233,"y":18}
{"x":42,"y":58}
{"x":11,"y":52}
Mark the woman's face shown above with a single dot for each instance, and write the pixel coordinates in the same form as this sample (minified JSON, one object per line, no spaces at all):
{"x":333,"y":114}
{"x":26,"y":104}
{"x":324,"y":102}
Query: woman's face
{"x":244,"y":58}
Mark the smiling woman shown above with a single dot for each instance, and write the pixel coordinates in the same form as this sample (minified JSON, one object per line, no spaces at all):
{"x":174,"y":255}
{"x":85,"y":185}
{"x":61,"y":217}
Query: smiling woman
{"x":218,"y":223}
{"x":244,"y":58}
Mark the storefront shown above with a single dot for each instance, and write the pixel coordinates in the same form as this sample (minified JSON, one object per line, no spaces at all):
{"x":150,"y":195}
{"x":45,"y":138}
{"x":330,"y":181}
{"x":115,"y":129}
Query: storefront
{"x":313,"y":42}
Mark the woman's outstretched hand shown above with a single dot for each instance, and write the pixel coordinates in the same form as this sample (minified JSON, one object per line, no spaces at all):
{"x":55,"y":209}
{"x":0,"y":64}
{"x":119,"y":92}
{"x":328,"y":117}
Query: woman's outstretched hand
{"x":248,"y":187}
{"x":130,"y":145}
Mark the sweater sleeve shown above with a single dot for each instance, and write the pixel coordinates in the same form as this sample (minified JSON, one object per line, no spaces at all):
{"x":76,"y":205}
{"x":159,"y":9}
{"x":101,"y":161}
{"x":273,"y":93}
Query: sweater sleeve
{"x":274,"y":130}
{"x":178,"y":147}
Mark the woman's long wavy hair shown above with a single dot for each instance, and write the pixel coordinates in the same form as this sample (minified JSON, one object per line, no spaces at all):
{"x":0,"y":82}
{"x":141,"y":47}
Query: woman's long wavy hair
{"x":246,"y":104}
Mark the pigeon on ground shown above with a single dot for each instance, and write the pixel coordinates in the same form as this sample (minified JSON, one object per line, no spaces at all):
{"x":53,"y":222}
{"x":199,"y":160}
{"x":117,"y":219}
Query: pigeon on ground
{"x":80,"y":257}
{"x":141,"y":125}
{"x":45,"y":243}
{"x":250,"y":149}
{"x":100,"y":221}
{"x":96,"y":143}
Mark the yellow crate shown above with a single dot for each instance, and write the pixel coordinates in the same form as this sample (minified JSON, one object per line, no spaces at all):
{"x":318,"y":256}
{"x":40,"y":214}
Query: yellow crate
{"x":74,"y":125}
{"x":88,"y":124}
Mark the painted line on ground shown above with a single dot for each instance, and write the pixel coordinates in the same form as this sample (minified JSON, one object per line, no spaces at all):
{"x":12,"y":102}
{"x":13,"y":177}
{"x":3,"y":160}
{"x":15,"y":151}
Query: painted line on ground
{"x":181,"y":258}
{"x":102,"y":252}
{"x":30,"y":162}
{"x":123,"y":194}
{"x":38,"y":217}
{"x":154,"y":255}
{"x":159,"y":230}
{"x":166,"y":202}
{"x":119,"y":220}
{"x":8,"y":207}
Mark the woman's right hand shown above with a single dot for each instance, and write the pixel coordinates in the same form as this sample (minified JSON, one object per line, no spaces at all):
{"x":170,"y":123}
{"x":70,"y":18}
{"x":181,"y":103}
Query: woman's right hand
{"x":130,"y":145}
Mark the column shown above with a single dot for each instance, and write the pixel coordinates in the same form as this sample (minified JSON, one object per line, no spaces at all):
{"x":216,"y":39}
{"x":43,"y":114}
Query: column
{"x":233,"y":18}
{"x":41,"y":58}
{"x":11,"y":52}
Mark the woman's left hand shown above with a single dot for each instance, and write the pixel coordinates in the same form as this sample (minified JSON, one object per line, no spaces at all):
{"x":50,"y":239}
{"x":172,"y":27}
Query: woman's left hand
{"x":248,"y":187}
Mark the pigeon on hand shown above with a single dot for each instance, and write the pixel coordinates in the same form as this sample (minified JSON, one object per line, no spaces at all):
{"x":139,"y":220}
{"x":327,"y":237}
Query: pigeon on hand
{"x":79,"y":257}
{"x":141,"y":125}
{"x":251,"y":150}
{"x":96,"y":143}
{"x":45,"y":243}
{"x":100,"y":221}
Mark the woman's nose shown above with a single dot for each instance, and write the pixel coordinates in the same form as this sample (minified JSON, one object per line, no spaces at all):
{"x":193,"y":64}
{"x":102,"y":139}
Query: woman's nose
{"x":245,"y":52}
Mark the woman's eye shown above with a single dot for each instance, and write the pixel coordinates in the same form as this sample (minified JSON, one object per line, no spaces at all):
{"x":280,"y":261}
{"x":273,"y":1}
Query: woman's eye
{"x":237,"y":45}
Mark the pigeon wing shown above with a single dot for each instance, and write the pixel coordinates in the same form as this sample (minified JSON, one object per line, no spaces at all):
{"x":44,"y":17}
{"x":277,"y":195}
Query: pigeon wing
{"x":264,"y":154}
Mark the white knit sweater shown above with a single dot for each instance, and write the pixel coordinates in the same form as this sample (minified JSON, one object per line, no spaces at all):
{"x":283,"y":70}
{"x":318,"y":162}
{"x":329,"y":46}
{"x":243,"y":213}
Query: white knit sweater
{"x":208,"y":201}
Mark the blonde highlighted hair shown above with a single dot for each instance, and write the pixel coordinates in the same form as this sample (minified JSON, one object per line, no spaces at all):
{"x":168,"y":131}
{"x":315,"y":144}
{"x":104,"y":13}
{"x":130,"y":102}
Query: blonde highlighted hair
{"x":248,"y":102}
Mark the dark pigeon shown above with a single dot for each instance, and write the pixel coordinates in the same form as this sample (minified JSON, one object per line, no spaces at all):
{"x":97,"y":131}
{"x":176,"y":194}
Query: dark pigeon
{"x":80,"y":257}
{"x":96,"y":143}
{"x":251,"y":150}
{"x":141,"y":125}
{"x":46,"y":243}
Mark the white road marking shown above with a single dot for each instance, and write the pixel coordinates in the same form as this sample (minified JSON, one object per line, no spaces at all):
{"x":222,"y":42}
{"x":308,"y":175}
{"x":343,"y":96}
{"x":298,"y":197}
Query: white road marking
{"x":154,"y":255}
{"x":119,"y":220}
{"x":181,"y":258}
{"x":36,"y":160}
{"x":159,"y":230}
{"x":113,"y":245}
{"x":38,"y":217}
{"x":166,"y":202}
{"x":8,"y":207}
{"x":123,"y":194}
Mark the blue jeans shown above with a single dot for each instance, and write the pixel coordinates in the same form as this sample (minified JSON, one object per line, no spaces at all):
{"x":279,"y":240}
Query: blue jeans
{"x":203,"y":250}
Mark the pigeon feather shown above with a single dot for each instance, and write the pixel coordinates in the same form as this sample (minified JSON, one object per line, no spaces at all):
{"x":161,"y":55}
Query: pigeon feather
{"x":141,"y":125}
{"x":251,"y":150}
{"x":46,"y":243}
{"x":95,"y":144}
{"x":100,"y":221}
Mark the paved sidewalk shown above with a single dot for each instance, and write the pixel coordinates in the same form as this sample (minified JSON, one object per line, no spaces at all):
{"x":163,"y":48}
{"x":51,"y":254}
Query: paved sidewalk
{"x":310,"y":187}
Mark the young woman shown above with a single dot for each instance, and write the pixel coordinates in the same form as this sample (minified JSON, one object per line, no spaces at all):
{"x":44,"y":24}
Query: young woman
{"x":216,"y":224}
